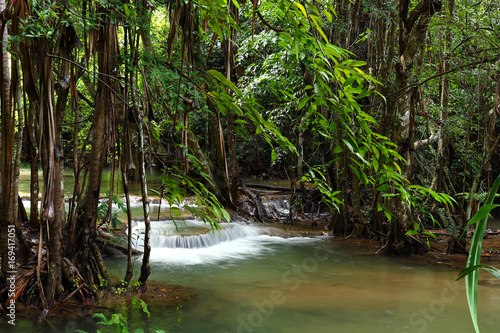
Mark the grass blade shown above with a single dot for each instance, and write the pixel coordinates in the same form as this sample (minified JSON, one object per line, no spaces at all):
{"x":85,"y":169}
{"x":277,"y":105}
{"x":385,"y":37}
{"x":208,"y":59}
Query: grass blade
{"x":471,"y":279}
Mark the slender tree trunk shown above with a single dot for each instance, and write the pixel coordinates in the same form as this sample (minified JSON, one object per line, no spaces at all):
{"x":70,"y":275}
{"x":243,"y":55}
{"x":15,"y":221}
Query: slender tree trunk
{"x":7,"y":148}
{"x":339,"y":221}
{"x":33,"y":155}
{"x":129,"y":271}
{"x":126,"y":143}
{"x":220,"y":171}
{"x":231,"y":49}
{"x":145,"y":268}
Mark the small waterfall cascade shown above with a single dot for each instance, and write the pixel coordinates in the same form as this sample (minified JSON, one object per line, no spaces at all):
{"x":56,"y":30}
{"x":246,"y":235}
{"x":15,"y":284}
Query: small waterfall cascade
{"x":192,"y":234}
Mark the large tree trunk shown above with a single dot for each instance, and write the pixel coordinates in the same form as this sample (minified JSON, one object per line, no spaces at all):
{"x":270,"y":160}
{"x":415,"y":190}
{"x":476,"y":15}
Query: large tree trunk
{"x":412,"y":31}
{"x":86,"y":256}
{"x":54,"y":286}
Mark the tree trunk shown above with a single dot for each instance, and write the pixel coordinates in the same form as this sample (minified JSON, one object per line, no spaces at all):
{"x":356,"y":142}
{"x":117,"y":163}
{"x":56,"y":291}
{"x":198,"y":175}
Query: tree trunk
{"x":86,"y":224}
{"x":230,"y":50}
{"x":129,"y":271}
{"x":339,"y":221}
{"x":54,"y":287}
{"x":31,"y":147}
{"x":412,"y":31}
{"x":7,"y":148}
{"x":219,"y":171}
{"x":53,"y":213}
{"x":145,"y":268}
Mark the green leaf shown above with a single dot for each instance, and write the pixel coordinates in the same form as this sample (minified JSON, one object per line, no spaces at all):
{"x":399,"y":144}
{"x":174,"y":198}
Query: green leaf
{"x":472,"y":278}
{"x":303,"y":102}
{"x":144,"y":307}
{"x":236,"y":4}
{"x":388,"y":215}
{"x":493,"y":270}
{"x":338,"y":150}
{"x":318,"y":23}
{"x":104,"y":321}
{"x":429,"y":234}
{"x":302,"y":9}
{"x":297,"y":37}
{"x":225,"y":81}
{"x":273,"y":155}
{"x":328,"y":16}
{"x":286,"y":37}
{"x":383,"y":188}
{"x":482,"y":213}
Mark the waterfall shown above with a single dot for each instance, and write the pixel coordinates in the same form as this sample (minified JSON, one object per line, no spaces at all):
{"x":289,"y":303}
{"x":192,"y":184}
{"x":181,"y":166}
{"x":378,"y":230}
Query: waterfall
{"x":192,"y":234}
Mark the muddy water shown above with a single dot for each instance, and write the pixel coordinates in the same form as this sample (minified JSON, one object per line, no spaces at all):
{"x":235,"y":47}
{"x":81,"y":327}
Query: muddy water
{"x":260,"y":283}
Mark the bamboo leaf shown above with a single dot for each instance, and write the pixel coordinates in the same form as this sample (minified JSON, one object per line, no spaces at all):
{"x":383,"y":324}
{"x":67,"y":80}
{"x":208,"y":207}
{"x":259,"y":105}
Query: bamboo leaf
{"x":302,"y":9}
{"x":338,"y":150}
{"x":225,"y":81}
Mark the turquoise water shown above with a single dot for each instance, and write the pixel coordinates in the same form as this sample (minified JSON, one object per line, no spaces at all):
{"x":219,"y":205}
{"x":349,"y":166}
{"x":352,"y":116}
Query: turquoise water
{"x":260,"y":283}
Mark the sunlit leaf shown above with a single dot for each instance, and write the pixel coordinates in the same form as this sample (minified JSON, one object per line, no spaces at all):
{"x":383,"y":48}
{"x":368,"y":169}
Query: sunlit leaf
{"x":302,"y":9}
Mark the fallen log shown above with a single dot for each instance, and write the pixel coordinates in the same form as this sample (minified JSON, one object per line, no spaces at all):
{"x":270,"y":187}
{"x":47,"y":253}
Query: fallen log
{"x":119,"y":247}
{"x":107,"y":239}
{"x":257,"y":201}
{"x":278,"y":188}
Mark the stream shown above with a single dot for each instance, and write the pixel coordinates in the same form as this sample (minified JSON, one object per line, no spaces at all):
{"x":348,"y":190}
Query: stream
{"x":260,"y":283}
{"x":247,"y":280}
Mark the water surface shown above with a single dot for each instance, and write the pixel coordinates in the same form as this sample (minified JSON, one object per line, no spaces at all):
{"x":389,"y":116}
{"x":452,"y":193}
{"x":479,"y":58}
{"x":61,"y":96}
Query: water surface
{"x":260,"y":283}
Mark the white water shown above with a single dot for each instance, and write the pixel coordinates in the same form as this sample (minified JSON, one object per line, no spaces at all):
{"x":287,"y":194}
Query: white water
{"x":193,"y":242}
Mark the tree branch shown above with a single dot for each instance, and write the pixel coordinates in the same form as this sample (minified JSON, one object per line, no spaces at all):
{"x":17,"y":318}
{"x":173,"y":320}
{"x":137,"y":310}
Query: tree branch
{"x":267,"y":24}
{"x":418,"y":84}
{"x":424,"y":143}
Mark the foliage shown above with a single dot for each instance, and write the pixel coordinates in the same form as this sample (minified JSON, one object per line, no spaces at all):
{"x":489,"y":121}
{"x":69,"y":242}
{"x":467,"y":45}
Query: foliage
{"x":103,"y":208}
{"x":318,"y":180}
{"x":177,"y":186}
{"x":471,"y":272}
{"x":118,"y":321}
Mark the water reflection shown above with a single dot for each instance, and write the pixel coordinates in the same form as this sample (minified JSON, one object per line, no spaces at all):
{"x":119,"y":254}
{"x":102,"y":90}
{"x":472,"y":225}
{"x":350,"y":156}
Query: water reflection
{"x":153,"y":179}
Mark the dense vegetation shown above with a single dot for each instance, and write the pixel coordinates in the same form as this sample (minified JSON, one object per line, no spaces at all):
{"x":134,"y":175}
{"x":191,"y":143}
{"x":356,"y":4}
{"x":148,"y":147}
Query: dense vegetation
{"x":388,"y":108}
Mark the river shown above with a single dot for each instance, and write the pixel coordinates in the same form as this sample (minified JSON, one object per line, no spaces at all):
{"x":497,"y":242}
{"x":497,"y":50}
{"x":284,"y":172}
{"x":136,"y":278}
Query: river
{"x":247,"y":280}
{"x":261,"y":283}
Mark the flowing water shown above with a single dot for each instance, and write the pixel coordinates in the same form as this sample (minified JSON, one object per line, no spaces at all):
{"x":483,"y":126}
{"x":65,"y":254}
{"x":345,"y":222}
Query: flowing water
{"x":248,"y":281}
